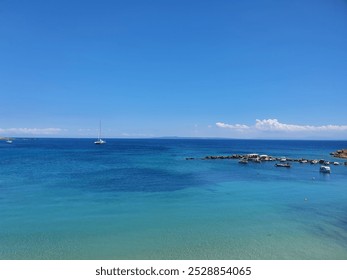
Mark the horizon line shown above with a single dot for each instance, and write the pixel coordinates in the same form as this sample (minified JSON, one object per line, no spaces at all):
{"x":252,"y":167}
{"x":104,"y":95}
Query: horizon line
{"x":174,"y":138}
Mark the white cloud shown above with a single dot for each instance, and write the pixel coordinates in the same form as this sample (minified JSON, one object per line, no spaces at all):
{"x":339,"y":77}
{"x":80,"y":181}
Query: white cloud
{"x":31,"y":131}
{"x":273,"y":125}
{"x":232,"y":126}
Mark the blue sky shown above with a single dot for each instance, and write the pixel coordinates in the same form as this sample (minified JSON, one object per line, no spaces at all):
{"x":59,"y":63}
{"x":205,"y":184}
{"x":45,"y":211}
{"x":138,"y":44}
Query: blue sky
{"x":223,"y":68}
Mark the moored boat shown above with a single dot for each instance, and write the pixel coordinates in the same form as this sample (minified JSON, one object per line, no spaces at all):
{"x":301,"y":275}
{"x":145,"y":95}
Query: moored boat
{"x":283,"y":165}
{"x":99,"y":141}
{"x":325,"y":169}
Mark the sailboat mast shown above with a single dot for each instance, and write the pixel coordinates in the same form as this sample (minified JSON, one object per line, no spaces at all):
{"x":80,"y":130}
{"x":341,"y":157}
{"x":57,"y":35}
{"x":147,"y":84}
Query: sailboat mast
{"x":99,"y":141}
{"x":99,"y":130}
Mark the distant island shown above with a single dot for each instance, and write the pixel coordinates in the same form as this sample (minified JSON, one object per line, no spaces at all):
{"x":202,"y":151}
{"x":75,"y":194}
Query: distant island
{"x":340,"y":153}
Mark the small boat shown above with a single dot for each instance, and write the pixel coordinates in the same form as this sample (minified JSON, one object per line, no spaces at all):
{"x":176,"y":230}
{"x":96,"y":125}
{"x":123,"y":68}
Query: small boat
{"x":324,"y":169}
{"x":283,"y":165}
{"x":9,"y":141}
{"x":264,"y":157}
{"x":336,"y":163}
{"x":99,"y":141}
{"x":243,"y":161}
{"x":283,"y":159}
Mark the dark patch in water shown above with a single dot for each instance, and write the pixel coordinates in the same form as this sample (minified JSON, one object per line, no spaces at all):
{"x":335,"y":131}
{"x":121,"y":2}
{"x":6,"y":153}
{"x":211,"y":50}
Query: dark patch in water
{"x":336,"y":228}
{"x":134,"y":180}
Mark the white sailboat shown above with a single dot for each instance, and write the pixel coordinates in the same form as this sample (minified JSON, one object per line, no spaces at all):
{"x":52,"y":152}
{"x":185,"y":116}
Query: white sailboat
{"x":99,"y":141}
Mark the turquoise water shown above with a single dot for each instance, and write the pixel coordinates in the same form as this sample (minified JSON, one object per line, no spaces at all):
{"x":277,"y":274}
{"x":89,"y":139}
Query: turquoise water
{"x":140,"y":199}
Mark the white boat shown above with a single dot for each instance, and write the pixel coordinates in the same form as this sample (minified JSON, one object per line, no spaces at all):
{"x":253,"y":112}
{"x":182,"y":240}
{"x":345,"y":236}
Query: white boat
{"x":264,"y":157}
{"x":9,"y":141}
{"x":99,"y":141}
{"x":287,"y":165}
{"x":324,"y":169}
{"x":336,"y":163}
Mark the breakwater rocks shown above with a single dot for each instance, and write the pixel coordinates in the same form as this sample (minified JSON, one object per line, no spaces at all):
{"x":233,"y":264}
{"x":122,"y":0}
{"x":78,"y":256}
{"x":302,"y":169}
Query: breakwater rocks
{"x":340,"y":154}
{"x":263,"y":158}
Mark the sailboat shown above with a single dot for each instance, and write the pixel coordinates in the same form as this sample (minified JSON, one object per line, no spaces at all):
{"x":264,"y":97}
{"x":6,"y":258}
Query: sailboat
{"x":99,"y":141}
{"x":9,"y":141}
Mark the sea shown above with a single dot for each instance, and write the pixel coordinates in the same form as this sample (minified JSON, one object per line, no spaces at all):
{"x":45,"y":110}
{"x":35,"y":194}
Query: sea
{"x":140,"y":199}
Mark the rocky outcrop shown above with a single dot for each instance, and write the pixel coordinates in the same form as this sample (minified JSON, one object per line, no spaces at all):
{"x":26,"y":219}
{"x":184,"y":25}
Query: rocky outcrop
{"x":340,"y":153}
{"x":245,"y":158}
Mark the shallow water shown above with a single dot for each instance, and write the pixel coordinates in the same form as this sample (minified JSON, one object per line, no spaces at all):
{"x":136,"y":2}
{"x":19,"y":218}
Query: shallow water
{"x":140,"y":199}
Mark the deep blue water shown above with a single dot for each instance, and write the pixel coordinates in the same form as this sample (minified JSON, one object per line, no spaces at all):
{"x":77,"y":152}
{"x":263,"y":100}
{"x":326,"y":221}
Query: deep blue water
{"x":140,"y":199}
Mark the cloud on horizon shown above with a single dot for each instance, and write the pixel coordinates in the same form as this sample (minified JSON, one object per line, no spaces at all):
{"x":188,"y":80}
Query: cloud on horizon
{"x":31,"y":131}
{"x":273,"y":125}
{"x":232,"y":126}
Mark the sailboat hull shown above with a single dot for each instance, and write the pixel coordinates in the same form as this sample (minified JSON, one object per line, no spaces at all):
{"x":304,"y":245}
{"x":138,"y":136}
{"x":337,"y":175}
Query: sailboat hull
{"x":99,"y":142}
